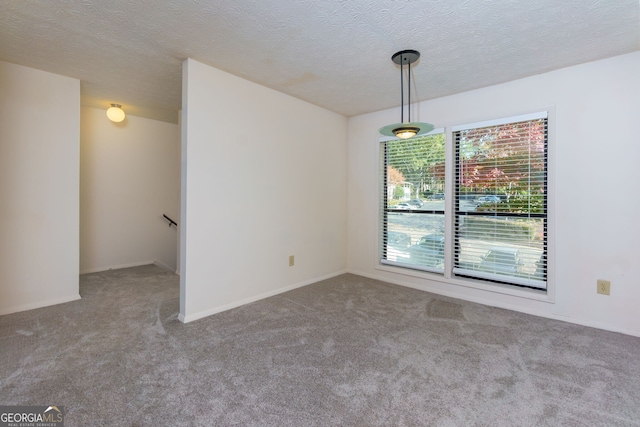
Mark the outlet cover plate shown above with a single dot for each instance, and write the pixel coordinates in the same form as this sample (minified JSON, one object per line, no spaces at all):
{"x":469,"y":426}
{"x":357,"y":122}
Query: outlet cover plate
{"x":604,"y":287}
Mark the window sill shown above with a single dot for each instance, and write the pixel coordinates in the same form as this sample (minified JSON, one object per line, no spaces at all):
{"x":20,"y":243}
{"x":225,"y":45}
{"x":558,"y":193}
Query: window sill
{"x":477,"y":284}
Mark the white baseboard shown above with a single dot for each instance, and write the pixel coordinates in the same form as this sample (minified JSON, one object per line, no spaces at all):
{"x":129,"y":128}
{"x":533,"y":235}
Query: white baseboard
{"x":191,"y":317}
{"x":163,"y":266}
{"x":129,"y":265}
{"x":38,"y":304}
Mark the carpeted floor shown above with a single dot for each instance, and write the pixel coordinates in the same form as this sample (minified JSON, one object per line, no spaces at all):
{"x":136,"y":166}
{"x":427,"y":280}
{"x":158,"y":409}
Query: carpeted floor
{"x":347,"y":351}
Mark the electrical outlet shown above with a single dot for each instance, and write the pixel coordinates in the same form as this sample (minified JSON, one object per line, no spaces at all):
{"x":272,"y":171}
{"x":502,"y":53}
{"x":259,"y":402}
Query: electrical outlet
{"x":291,"y":261}
{"x":604,"y":287}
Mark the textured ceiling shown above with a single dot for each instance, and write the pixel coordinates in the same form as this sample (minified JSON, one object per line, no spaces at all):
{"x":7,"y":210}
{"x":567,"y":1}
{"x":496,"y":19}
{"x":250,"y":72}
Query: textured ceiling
{"x":332,"y":53}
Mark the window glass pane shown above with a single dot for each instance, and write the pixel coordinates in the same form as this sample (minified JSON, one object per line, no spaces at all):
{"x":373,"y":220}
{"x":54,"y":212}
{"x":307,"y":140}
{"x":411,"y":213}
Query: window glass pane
{"x":504,"y":246}
{"x":503,"y":167}
{"x":416,"y":239}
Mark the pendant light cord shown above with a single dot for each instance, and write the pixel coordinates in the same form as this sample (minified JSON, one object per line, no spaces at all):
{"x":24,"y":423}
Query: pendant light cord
{"x":402,"y":90}
{"x":409,"y":96}
{"x":402,"y":59}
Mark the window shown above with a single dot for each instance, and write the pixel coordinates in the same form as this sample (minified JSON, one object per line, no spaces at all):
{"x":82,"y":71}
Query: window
{"x":499,"y":202}
{"x":413,"y":202}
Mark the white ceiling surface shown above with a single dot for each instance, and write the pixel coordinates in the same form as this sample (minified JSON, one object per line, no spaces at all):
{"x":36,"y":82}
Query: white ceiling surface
{"x":332,"y":53}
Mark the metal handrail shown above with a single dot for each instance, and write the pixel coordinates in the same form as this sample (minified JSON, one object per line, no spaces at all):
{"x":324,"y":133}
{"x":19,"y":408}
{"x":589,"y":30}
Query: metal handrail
{"x":171,"y":222}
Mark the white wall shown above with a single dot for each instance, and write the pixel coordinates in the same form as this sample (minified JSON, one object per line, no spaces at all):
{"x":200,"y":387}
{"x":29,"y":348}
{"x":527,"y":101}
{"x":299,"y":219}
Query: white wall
{"x":39,"y":157}
{"x":594,"y":204}
{"x":129,"y":177}
{"x":264,"y":177}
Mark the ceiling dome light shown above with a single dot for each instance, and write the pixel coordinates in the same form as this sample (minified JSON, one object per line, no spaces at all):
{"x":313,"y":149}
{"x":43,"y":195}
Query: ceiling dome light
{"x":406,"y":132}
{"x":115,"y":113}
{"x":406,"y":129}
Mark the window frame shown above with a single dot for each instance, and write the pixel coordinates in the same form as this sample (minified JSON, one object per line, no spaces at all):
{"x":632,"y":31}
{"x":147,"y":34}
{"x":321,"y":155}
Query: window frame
{"x":515,"y":279}
{"x":436,"y":280}
{"x":384,"y":210}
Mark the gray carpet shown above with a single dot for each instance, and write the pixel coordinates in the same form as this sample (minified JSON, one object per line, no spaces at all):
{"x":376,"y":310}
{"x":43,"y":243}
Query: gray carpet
{"x":347,"y":351}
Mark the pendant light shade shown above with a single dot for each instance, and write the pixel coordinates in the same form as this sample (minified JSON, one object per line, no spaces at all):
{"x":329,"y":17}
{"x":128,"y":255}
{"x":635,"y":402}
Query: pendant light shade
{"x":406,"y":129}
{"x":115,"y":113}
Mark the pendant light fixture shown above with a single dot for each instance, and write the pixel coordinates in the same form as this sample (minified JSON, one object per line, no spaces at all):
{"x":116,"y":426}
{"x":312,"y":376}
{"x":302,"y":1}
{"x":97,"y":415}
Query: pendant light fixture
{"x":406,"y":129}
{"x":115,"y":113}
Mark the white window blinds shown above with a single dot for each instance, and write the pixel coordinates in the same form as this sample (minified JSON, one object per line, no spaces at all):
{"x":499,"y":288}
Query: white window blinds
{"x":412,"y":205}
{"x":500,"y":190}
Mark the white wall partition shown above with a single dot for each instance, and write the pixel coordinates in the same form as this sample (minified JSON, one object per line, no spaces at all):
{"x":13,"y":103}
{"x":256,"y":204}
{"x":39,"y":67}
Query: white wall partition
{"x":39,"y":174}
{"x":264,"y":177}
{"x":129,"y":177}
{"x":594,"y":175}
